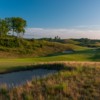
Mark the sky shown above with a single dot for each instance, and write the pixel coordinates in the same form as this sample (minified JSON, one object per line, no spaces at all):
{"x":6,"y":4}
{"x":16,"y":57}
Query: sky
{"x":49,"y":18}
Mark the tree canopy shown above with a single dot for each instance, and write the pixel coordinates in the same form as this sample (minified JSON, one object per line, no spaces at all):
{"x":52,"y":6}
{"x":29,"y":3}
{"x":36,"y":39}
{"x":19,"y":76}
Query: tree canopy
{"x":14,"y":25}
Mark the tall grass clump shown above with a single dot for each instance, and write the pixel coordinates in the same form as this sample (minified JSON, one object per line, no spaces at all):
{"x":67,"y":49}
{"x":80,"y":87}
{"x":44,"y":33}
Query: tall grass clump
{"x":71,"y":82}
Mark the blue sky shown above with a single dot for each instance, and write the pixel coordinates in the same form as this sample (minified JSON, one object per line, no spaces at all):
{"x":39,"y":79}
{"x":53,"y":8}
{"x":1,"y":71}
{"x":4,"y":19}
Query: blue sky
{"x":56,"y":16}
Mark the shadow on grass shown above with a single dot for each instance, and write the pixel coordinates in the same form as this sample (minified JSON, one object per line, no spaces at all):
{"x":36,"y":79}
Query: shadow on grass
{"x":96,"y":56}
{"x":75,"y":52}
{"x":52,"y":66}
{"x":92,"y":54}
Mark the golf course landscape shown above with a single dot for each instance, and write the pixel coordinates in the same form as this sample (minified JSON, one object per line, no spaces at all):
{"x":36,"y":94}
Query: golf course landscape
{"x":68,"y":70}
{"x":49,"y":49}
{"x":42,"y":51}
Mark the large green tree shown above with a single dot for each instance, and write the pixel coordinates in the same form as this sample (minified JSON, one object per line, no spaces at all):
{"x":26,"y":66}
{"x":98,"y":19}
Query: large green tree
{"x":13,"y":25}
{"x":18,"y":25}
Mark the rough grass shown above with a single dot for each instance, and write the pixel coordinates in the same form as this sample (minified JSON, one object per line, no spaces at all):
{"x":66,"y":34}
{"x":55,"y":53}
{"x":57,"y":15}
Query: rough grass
{"x":11,"y":47}
{"x":79,"y":55}
{"x":74,"y":81}
{"x":20,"y":63}
{"x":21,"y":47}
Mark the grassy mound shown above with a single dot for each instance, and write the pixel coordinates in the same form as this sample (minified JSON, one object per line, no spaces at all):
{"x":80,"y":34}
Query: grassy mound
{"x":14,"y":47}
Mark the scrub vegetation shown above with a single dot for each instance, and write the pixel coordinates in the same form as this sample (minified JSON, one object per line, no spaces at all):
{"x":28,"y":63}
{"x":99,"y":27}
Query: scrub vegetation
{"x":72,"y":82}
{"x":11,"y":46}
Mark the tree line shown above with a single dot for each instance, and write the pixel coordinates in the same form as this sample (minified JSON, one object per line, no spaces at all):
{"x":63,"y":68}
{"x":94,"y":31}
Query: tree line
{"x":13,"y":25}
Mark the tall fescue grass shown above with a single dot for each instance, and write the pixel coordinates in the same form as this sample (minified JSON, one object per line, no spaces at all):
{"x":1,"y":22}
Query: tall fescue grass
{"x":73,"y":81}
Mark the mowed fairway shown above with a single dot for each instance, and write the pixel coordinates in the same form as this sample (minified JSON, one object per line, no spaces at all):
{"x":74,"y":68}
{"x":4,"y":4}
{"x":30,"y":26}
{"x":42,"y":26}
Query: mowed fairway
{"x":88,"y":55}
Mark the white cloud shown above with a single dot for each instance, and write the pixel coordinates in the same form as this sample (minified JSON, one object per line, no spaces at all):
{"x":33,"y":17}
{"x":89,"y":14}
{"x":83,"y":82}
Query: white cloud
{"x":63,"y":33}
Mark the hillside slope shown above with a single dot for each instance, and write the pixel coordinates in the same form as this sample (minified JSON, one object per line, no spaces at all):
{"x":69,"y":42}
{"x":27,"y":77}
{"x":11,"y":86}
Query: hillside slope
{"x":14,"y":47}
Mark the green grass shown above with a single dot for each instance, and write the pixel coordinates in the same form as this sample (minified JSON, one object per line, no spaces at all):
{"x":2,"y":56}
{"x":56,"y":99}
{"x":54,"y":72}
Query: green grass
{"x":80,"y":55}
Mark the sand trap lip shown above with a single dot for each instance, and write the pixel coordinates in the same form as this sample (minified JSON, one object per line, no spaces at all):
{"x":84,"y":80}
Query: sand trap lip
{"x":71,"y":62}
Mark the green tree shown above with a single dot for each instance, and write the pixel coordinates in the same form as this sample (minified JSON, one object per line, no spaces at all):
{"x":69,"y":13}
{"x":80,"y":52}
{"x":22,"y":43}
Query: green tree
{"x":14,"y":25}
{"x":18,"y":25}
{"x":9,"y":23}
{"x":3,"y":27}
